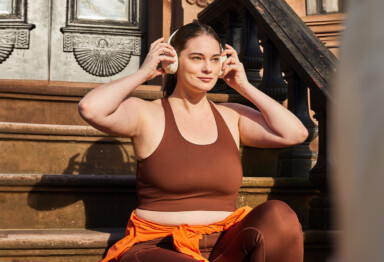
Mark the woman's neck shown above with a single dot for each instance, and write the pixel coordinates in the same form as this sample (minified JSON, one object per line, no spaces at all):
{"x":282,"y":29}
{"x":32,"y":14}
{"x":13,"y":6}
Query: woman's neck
{"x":189,"y":101}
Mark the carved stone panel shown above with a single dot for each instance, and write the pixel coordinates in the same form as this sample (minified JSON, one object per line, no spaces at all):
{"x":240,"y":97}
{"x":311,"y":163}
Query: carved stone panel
{"x":101,"y":55}
{"x":24,"y":39}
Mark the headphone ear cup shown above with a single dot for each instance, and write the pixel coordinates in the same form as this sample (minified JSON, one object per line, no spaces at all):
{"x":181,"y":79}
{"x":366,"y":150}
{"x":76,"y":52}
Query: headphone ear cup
{"x":222,"y":59}
{"x":170,"y":67}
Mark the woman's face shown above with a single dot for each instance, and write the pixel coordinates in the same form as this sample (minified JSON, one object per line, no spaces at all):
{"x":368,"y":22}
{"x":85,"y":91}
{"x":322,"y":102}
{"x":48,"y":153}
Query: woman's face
{"x":199,"y":64}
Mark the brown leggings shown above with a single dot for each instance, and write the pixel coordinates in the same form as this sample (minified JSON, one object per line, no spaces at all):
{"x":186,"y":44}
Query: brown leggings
{"x":271,"y":232}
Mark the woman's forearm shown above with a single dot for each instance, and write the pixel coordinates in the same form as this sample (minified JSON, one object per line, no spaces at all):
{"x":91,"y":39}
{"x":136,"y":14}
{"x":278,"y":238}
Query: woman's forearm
{"x":105,"y":99}
{"x":282,"y":121}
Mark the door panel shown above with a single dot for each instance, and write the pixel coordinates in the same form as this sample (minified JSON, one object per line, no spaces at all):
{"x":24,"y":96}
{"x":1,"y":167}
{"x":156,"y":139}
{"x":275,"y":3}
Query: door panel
{"x":72,"y":40}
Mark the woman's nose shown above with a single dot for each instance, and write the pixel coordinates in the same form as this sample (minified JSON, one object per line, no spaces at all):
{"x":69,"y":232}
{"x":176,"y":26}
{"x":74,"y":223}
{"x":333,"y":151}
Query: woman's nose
{"x":207,"y":67}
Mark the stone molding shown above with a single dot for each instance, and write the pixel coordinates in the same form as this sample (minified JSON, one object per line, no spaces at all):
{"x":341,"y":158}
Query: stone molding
{"x":19,"y":38}
{"x":201,"y":3}
{"x":328,"y":28}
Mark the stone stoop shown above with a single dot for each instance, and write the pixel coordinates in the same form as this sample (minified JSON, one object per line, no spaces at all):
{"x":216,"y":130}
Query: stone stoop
{"x":90,"y":245}
{"x":38,"y":201}
{"x":67,"y":190}
{"x":77,"y":217}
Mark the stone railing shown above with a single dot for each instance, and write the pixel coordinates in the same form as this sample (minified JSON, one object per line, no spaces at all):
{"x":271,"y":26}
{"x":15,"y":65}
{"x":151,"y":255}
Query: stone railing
{"x":292,"y":62}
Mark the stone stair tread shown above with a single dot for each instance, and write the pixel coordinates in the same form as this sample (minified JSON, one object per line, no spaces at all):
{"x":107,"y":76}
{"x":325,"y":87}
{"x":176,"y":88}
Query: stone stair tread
{"x":81,"y":180}
{"x":66,"y":180}
{"x":99,"y":238}
{"x":48,"y":129}
{"x":59,"y":238}
{"x":95,"y":200}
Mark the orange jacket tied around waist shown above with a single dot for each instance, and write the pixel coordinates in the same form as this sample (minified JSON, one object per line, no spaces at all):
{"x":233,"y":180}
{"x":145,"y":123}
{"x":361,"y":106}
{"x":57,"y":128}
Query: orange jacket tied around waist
{"x":185,"y":237}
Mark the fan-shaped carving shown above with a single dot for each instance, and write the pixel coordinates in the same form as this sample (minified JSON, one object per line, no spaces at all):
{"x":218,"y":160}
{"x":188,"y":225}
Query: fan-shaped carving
{"x":102,"y":62}
{"x":5,"y":52}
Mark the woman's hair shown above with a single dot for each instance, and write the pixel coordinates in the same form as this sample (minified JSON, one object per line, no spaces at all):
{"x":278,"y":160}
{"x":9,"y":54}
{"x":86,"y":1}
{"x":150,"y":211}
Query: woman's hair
{"x":179,"y":40}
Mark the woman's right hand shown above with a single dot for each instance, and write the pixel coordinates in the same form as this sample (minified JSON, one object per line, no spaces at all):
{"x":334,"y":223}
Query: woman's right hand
{"x":158,"y":52}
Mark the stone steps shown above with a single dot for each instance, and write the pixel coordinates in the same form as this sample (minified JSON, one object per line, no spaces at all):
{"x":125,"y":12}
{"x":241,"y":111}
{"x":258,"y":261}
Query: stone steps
{"x":68,"y":190}
{"x":77,"y":217}
{"x":77,"y":149}
{"x":62,"y":149}
{"x":91,"y":245}
{"x":56,"y":103}
{"x":39,"y":201}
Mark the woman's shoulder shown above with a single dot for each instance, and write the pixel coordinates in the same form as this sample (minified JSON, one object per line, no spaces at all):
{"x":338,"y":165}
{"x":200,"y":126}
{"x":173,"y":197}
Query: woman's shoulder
{"x":227,"y":110}
{"x":142,"y":104}
{"x":229,"y":114}
{"x":146,"y":111}
{"x":237,"y":110}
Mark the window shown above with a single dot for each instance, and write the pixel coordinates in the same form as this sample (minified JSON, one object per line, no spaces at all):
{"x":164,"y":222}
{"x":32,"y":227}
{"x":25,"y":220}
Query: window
{"x":122,"y":14}
{"x":107,"y":10}
{"x":318,"y":7}
{"x":5,"y":7}
{"x":12,"y":10}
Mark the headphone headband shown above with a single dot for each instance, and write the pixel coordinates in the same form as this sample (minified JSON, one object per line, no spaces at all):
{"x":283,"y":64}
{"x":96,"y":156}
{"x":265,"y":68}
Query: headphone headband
{"x":170,"y":38}
{"x":171,"y":68}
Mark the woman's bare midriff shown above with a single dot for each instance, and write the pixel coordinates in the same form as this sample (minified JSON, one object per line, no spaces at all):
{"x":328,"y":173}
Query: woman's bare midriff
{"x":198,"y":217}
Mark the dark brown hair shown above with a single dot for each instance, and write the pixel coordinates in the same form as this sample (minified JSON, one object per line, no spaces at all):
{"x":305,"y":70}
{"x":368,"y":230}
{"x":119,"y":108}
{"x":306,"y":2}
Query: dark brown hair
{"x":179,"y":40}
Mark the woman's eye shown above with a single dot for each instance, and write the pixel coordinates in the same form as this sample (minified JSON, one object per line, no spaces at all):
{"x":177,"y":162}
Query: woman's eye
{"x":215,"y":59}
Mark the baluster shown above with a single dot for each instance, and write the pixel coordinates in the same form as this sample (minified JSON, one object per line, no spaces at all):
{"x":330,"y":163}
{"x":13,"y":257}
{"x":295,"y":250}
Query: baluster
{"x":234,"y":32}
{"x":251,"y":54}
{"x":220,"y":29}
{"x":235,"y":29}
{"x":297,"y":161}
{"x":272,"y":82}
{"x":320,"y":207}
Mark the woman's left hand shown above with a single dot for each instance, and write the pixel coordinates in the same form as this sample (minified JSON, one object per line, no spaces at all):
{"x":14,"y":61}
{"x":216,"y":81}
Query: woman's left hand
{"x":233,"y":70}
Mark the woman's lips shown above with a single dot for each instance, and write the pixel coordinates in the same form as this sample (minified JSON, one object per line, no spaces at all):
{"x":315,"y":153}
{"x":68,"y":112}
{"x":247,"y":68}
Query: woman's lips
{"x":205,"y":79}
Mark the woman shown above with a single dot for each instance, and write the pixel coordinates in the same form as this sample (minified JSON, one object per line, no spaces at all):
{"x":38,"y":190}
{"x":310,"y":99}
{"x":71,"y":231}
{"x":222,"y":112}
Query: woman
{"x":189,"y":170}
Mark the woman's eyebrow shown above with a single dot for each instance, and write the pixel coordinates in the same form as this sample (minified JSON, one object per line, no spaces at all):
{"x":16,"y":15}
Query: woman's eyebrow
{"x":196,"y":53}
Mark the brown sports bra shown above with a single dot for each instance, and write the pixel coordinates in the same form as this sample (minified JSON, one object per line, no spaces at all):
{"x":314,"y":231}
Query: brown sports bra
{"x":183,"y":176}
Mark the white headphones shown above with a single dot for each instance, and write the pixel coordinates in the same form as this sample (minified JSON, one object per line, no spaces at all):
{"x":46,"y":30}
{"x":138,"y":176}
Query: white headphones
{"x":171,"y":67}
